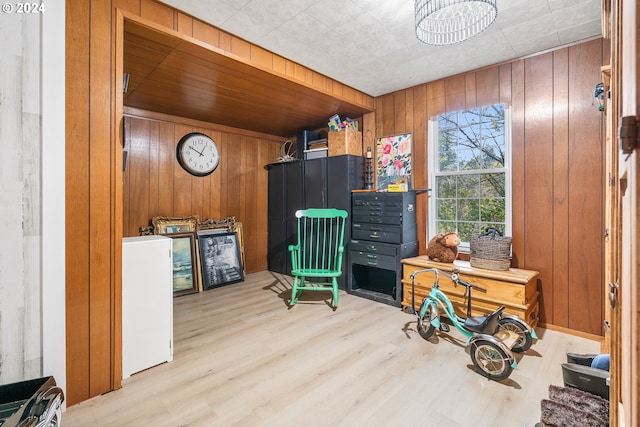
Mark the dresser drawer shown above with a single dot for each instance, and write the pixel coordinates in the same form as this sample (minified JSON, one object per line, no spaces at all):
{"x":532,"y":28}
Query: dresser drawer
{"x":383,"y":233}
{"x":376,"y":217}
{"x":379,"y":199}
{"x":387,"y":262}
{"x":373,"y":254}
{"x":375,"y":248}
{"x":380,"y":208}
{"x":384,"y":228}
{"x":377,"y":236}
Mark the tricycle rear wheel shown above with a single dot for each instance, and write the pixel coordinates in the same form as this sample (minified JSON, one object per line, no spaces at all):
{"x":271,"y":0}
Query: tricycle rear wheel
{"x":524,"y":336}
{"x":490,"y":359}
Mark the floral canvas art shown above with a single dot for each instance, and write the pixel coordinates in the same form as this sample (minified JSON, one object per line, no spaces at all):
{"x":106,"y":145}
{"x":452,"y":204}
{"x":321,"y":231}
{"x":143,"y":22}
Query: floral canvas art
{"x":393,"y":160}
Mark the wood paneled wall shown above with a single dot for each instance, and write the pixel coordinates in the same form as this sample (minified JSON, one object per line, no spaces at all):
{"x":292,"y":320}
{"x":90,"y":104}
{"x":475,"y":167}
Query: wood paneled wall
{"x":558,"y":168}
{"x":94,"y":197}
{"x":89,"y":205}
{"x":156,"y":185}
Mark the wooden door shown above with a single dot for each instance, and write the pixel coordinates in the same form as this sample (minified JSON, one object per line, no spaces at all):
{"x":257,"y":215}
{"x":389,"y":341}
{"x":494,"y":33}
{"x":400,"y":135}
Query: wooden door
{"x":315,"y":183}
{"x":624,"y":393}
{"x":625,"y":352}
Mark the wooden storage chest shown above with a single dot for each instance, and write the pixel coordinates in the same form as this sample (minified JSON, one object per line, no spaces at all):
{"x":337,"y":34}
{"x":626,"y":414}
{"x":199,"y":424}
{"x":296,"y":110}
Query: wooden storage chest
{"x":516,"y":289}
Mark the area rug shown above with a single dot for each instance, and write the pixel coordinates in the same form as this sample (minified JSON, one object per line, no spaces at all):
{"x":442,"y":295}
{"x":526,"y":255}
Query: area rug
{"x":569,"y":407}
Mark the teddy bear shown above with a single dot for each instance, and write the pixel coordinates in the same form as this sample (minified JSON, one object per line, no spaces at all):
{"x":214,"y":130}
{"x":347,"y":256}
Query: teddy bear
{"x":443,"y":247}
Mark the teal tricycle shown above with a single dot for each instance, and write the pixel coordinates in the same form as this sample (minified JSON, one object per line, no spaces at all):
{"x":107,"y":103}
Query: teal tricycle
{"x":492,"y":339}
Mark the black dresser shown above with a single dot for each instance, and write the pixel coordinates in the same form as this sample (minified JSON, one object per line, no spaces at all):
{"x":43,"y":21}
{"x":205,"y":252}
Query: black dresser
{"x":383,"y":231}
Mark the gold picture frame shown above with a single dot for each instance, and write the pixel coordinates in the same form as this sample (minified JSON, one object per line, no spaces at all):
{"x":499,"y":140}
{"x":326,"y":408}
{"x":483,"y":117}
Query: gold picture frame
{"x":170,"y":225}
{"x":186,"y":224}
{"x":212,"y":224}
{"x":237,"y":227}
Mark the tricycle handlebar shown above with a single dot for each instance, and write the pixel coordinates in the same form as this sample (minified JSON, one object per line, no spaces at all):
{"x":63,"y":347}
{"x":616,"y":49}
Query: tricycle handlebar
{"x":455,"y":278}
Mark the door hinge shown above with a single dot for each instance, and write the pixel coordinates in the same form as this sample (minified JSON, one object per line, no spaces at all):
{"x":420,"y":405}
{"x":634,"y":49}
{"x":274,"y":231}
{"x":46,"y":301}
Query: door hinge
{"x":613,"y":291}
{"x":628,"y":134}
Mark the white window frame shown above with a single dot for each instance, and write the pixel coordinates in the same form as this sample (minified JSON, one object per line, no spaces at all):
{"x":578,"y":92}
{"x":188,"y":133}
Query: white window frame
{"x":433,"y":167}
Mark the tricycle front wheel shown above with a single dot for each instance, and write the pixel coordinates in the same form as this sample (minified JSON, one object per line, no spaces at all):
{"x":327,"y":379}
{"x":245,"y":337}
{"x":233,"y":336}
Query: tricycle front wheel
{"x":426,"y":314}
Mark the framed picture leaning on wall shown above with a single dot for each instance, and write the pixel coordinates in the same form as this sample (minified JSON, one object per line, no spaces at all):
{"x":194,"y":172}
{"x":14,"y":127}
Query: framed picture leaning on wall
{"x":228,"y":224}
{"x":186,"y":224}
{"x":220,"y":258}
{"x":185,"y":278}
{"x":237,"y":228}
{"x":169,"y":225}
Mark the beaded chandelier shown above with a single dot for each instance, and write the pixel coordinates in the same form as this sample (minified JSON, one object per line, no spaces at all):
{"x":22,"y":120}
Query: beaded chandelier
{"x":443,"y":22}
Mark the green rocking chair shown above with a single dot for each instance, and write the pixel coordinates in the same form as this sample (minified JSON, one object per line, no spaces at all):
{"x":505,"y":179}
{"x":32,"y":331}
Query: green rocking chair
{"x":318,"y":253}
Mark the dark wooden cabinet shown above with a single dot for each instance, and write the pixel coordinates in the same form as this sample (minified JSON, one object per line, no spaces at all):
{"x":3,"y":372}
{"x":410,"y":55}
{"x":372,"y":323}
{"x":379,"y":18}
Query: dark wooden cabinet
{"x":285,"y":192}
{"x":383,"y":233}
{"x":316,"y":183}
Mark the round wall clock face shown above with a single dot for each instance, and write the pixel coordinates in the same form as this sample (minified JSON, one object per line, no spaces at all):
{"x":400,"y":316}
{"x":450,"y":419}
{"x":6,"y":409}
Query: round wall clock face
{"x":198,"y":154}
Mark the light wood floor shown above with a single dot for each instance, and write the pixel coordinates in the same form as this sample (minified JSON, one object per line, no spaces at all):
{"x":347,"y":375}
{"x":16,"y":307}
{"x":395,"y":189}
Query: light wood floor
{"x":242,"y":358}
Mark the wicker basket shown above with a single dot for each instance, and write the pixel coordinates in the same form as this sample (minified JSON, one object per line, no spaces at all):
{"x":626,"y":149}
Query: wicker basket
{"x":491,"y":250}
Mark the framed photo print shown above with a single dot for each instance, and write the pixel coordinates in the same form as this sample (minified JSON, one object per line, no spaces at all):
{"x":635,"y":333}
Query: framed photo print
{"x":228,"y":224}
{"x":393,"y":160}
{"x":220,"y":258}
{"x":184,"y":263}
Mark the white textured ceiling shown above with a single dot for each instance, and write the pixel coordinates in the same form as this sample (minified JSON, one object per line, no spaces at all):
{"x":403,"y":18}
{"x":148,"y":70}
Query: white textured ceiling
{"x":371,"y":45}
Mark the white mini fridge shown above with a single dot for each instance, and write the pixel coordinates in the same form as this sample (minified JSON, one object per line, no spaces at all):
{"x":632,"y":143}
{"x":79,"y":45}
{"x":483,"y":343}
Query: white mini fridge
{"x":147,"y":302}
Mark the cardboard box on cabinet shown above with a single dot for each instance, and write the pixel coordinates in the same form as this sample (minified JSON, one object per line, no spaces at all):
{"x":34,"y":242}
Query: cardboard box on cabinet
{"x":345,"y":141}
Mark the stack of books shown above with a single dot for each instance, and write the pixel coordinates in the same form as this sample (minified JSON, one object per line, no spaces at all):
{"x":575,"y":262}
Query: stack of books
{"x":316,"y":149}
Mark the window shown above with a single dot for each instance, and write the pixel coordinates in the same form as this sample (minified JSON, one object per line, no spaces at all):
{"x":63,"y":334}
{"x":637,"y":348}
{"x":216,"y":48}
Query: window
{"x":470,"y":172}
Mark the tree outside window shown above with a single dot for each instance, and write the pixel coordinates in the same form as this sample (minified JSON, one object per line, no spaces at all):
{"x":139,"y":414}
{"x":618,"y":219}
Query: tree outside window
{"x":470,"y":177}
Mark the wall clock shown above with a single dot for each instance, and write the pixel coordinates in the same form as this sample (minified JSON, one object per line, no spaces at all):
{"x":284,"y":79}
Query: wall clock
{"x":198,"y":154}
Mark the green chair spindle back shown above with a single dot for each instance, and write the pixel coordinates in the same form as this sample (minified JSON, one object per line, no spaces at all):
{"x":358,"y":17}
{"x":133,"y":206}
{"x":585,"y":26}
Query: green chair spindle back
{"x":318,"y":252}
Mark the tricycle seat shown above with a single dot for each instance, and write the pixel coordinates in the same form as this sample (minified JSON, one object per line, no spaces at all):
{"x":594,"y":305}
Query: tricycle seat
{"x":487,"y":324}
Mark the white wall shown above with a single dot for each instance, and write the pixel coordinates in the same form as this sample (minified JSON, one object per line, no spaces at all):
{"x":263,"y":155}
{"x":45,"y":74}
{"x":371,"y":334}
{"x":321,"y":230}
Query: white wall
{"x":32,"y":222}
{"x":53,"y":193}
{"x":20,"y":205}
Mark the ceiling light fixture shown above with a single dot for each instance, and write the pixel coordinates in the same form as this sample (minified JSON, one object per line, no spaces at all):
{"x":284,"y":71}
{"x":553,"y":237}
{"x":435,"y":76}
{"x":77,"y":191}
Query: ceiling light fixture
{"x":442,"y":22}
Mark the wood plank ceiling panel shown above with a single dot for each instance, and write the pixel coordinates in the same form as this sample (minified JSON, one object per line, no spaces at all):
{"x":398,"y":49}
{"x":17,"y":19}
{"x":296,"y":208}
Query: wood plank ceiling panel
{"x":169,"y":74}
